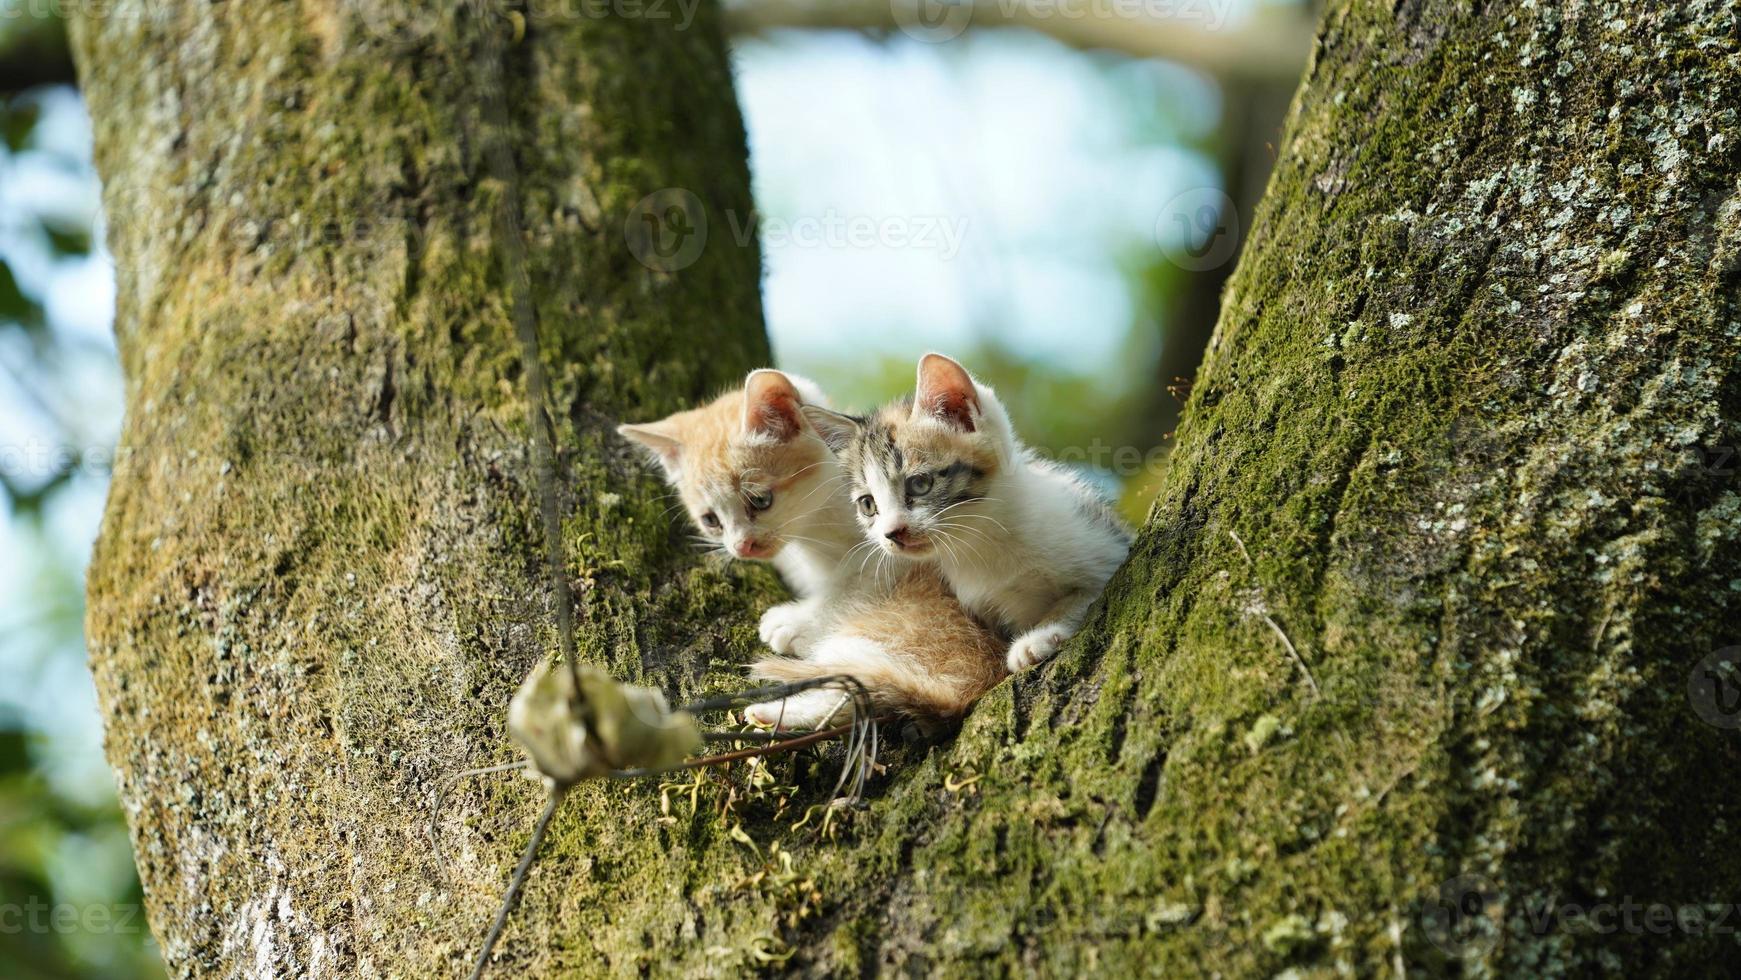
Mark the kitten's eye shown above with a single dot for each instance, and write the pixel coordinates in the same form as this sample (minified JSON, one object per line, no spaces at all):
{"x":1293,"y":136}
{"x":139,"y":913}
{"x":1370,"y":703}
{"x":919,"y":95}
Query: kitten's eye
{"x":759,"y":500}
{"x":918,"y":485}
{"x":867,"y":505}
{"x":710,"y":520}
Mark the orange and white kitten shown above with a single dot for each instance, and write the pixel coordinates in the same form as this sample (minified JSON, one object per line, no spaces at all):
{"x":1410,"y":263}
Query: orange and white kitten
{"x":760,"y":484}
{"x":942,"y":479}
{"x":757,"y":480}
{"x":910,"y":643}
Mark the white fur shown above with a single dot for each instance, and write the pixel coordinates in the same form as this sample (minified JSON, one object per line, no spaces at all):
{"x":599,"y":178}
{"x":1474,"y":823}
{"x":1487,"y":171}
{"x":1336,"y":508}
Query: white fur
{"x":805,"y":710}
{"x":812,"y":563}
{"x":851,"y":655}
{"x":1040,"y":576}
{"x":815,"y":531}
{"x":808,"y":390}
{"x":874,"y":665}
{"x":1031,"y":556}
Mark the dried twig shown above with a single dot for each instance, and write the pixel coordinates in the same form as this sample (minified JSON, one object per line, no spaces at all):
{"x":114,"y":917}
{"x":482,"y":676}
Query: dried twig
{"x":780,"y":745}
{"x":551,"y":802}
{"x":862,"y":734}
{"x":511,"y":247}
{"x":1397,"y":963}
{"x":441,"y":788}
{"x":1263,"y":612}
{"x":599,"y":727}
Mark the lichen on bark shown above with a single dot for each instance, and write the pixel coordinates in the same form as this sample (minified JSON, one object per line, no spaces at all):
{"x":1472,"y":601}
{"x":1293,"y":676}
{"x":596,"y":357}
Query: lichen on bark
{"x":1457,"y":437}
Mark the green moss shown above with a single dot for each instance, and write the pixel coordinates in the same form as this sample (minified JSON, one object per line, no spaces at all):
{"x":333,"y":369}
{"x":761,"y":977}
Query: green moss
{"x":1447,"y":414}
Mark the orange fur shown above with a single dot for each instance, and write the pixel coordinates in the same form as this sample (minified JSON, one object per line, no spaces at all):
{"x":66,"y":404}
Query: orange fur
{"x":715,"y":453}
{"x":939,"y":660}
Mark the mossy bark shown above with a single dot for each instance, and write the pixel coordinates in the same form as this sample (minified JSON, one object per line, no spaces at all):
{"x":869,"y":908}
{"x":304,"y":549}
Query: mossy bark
{"x":319,"y":577}
{"x":1459,"y":444}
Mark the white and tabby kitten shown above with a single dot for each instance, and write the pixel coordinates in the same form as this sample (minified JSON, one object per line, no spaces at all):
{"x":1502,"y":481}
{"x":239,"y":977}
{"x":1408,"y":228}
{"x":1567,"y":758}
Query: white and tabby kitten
{"x":941,"y":478}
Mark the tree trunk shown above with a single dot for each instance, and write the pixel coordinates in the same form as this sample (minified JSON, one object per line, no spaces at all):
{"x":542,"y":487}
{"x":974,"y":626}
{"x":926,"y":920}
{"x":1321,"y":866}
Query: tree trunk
{"x":320,"y":574}
{"x":1419,"y":650}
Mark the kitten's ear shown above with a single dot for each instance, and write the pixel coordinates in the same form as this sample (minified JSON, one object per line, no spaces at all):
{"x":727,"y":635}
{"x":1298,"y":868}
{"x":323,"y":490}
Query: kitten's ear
{"x":835,"y":429}
{"x":771,"y":405}
{"x":946,"y":391}
{"x":660,"y":441}
{"x":809,"y":392}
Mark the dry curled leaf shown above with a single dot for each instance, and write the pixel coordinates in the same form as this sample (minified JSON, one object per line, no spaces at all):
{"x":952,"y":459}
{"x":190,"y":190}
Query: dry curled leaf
{"x":609,"y":726}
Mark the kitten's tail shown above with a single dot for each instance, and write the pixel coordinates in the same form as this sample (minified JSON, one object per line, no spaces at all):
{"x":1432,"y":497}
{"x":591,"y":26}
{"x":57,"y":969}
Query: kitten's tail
{"x":894,"y":683}
{"x":913,"y":647}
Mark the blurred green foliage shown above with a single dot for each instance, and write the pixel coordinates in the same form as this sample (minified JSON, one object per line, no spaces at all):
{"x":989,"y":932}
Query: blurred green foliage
{"x":54,"y":920}
{"x":70,"y":904}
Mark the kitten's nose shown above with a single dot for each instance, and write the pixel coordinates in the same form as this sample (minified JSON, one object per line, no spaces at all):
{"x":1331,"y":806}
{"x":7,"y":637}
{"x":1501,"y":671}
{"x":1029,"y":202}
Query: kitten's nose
{"x":749,"y":548}
{"x":898,"y":535}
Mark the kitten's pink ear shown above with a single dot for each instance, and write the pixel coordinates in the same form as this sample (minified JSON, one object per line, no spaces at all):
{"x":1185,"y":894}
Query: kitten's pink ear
{"x":660,"y":441}
{"x":836,"y":430}
{"x":771,"y":406}
{"x":946,"y":391}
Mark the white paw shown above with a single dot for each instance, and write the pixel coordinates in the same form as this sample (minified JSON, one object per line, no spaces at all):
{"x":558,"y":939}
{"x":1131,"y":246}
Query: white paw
{"x":806,"y":710}
{"x":1035,"y":646}
{"x":786,"y":627}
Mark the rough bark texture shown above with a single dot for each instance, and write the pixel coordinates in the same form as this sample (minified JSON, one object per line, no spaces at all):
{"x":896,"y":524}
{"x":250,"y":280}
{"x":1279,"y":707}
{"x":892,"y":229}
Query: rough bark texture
{"x":1458,"y":439}
{"x":319,"y":576}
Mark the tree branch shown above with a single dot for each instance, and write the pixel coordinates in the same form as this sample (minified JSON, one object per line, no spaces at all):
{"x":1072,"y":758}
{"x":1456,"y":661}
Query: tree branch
{"x":35,"y":52}
{"x":1263,"y":47}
